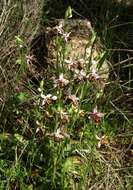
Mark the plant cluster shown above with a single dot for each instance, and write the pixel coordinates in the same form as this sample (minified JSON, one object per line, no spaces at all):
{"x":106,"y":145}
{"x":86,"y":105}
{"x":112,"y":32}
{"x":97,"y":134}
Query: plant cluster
{"x":59,"y":133}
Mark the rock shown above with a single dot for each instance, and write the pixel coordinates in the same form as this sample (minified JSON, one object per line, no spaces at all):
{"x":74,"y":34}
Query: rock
{"x":74,"y":40}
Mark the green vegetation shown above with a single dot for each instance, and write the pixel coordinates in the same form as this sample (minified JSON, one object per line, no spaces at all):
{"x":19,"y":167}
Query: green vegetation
{"x":69,"y":128}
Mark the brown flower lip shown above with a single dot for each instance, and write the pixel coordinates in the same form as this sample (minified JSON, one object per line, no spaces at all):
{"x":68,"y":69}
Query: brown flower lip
{"x":47,"y":99}
{"x":96,"y":116}
{"x":102,"y":141}
{"x":74,"y":99}
{"x":61,"y":81}
{"x":60,"y":135}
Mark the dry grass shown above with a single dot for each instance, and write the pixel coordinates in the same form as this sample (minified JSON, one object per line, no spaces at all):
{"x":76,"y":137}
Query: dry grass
{"x":16,"y":19}
{"x":24,"y":141}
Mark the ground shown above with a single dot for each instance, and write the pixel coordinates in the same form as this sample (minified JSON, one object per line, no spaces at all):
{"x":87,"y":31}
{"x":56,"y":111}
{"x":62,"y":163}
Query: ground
{"x":62,"y":124}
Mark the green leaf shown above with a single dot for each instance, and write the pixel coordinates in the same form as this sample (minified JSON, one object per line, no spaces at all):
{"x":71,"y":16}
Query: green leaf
{"x":42,"y":84}
{"x":19,"y":61}
{"x":20,"y":138}
{"x":18,"y":40}
{"x":22,"y":97}
{"x":68,"y":13}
